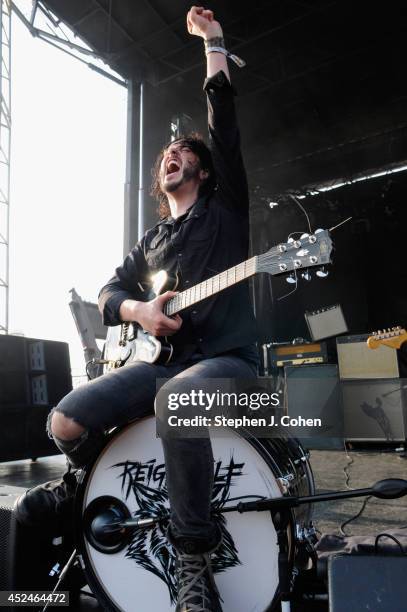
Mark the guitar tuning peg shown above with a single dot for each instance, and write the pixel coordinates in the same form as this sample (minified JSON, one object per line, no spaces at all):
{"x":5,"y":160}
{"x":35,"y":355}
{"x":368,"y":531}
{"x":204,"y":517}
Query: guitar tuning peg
{"x":322,"y":272}
{"x":306,"y":275}
{"x":291,"y":279}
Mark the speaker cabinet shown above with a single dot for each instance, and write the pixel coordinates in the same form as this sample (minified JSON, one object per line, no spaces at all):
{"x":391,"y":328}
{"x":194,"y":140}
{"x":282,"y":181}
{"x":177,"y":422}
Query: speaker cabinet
{"x":8,"y":496}
{"x":12,"y":432}
{"x":374,"y":410}
{"x":27,"y":555}
{"x":360,"y":582}
{"x":356,"y":360}
{"x":34,"y":376}
{"x":12,"y":353}
{"x":313,"y":391}
{"x":38,"y":443}
{"x":14,"y":387}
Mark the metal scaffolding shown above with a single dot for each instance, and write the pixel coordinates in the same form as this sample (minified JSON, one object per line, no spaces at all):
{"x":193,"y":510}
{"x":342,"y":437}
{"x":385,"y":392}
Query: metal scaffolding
{"x":5,"y":137}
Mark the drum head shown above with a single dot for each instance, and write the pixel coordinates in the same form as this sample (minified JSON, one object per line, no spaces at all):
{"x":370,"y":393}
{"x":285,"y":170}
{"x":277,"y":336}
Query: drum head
{"x":140,"y":576}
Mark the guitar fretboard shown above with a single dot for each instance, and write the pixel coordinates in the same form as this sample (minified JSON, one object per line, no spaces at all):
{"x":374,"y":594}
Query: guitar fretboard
{"x":211,"y":286}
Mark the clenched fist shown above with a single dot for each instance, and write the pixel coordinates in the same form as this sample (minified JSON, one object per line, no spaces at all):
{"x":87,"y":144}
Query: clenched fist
{"x":201,"y":22}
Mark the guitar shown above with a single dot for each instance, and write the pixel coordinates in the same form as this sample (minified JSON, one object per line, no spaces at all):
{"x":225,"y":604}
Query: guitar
{"x":129,"y":342}
{"x":392,"y":338}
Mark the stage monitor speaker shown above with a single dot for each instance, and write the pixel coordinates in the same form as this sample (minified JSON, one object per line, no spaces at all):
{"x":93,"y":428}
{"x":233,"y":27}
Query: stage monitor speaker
{"x":313,"y":391}
{"x":360,"y":582}
{"x":356,"y":360}
{"x":374,"y":410}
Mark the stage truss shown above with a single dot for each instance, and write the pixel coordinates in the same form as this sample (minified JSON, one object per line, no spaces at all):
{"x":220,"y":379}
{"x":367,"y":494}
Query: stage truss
{"x":5,"y":136}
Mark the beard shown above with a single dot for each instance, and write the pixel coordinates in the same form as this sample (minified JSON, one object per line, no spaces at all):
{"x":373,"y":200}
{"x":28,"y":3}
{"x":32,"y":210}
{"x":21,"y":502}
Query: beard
{"x":188,"y":173}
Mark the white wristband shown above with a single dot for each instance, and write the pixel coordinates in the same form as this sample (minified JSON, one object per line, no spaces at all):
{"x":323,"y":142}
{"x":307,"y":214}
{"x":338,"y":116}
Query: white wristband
{"x":238,"y":60}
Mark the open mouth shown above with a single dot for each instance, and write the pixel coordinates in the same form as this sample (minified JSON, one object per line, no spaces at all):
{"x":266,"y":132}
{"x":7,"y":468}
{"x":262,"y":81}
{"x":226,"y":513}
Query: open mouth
{"x":172,"y":167}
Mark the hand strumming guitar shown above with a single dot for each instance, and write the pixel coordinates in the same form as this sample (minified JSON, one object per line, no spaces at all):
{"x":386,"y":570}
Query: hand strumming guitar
{"x":150,"y":315}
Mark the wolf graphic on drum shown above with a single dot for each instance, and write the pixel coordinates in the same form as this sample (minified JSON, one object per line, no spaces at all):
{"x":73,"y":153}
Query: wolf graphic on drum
{"x":130,"y":474}
{"x":149,"y":548}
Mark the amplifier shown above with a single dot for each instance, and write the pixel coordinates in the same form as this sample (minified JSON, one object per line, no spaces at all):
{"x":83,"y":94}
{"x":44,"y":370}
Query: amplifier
{"x":298,"y":354}
{"x":313,"y":391}
{"x":326,"y":322}
{"x":27,"y":555}
{"x":361,"y":582}
{"x":356,"y":360}
{"x":373,"y":410}
{"x":8,"y":497}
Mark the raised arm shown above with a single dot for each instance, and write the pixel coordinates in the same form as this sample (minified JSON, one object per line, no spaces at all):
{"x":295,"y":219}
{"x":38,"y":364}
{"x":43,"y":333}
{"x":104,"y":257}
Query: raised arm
{"x":222,"y":122}
{"x":201,"y":22}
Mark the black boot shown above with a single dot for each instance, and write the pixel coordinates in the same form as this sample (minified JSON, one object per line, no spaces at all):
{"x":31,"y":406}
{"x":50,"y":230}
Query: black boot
{"x":197,"y":590}
{"x":48,"y":506}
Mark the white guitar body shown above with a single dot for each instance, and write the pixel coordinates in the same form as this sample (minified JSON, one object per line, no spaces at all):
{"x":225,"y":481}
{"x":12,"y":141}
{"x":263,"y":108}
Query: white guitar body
{"x":129,"y":342}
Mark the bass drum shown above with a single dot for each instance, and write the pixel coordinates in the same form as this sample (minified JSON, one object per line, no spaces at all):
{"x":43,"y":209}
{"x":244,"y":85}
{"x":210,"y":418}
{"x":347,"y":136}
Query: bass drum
{"x":137,"y":575}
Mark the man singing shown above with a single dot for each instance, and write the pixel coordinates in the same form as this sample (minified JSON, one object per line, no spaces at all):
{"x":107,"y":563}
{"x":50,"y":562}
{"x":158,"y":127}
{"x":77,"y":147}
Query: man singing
{"x":204,"y":229}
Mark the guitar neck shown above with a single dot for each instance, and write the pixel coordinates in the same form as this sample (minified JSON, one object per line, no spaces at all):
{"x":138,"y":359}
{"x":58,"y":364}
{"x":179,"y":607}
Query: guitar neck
{"x":211,"y":286}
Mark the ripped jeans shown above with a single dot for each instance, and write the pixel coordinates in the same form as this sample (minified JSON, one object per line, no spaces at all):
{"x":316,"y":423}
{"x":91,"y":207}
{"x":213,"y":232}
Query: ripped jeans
{"x":128,"y":393}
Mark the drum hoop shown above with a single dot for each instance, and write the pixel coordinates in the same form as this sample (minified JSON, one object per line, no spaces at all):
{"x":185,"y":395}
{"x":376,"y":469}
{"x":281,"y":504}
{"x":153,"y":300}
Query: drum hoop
{"x":79,"y":533}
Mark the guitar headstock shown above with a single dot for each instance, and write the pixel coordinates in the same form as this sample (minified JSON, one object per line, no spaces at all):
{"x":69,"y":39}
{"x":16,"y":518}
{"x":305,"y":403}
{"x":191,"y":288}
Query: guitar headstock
{"x":393,"y":338}
{"x":307,"y":252}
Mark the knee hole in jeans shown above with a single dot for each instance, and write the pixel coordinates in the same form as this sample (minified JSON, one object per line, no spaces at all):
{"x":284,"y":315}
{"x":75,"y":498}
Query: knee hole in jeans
{"x":63,"y":427}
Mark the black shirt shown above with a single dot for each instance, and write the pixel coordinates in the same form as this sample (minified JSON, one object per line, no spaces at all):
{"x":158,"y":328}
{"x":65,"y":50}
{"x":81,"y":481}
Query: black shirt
{"x":211,"y":237}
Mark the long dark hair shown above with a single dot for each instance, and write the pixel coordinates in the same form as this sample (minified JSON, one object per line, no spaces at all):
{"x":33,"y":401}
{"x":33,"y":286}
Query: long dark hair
{"x":198,"y":146}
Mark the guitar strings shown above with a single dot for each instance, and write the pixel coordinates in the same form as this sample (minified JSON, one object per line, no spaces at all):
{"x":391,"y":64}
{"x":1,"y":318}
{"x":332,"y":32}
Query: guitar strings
{"x":245,"y":269}
{"x":177,"y":301}
{"x":293,"y":290}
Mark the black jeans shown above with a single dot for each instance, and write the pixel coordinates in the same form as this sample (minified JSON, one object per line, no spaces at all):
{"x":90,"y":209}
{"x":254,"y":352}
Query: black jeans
{"x":128,"y":393}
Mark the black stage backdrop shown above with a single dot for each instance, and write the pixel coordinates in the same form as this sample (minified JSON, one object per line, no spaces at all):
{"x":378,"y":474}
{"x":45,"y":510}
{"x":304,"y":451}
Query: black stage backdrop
{"x":368,"y":276}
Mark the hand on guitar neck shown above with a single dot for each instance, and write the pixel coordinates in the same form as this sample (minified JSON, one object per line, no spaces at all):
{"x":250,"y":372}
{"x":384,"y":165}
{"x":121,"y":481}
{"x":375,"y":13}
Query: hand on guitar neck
{"x":150,"y":316}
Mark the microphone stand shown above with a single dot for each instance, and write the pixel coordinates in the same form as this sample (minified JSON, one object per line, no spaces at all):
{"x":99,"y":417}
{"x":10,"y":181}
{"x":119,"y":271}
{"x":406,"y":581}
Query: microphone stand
{"x":280,"y":509}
